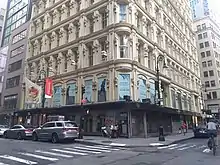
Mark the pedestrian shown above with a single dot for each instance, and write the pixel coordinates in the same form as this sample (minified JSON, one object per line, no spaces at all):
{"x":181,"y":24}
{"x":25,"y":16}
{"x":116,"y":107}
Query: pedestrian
{"x":184,"y":126}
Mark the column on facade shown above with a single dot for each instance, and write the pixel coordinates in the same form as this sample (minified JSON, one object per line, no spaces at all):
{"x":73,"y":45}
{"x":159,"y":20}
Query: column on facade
{"x":71,"y":32}
{"x":35,"y":9}
{"x":162,"y":17}
{"x":134,"y":93}
{"x":163,"y":40}
{"x":97,"y":19}
{"x":83,"y":61}
{"x":152,"y":8}
{"x":47,"y":20}
{"x":70,"y":60}
{"x":83,"y":4}
{"x":96,"y":52}
{"x":64,"y":12}
{"x":54,"y":40}
{"x":34,"y":69}
{"x":116,"y":46}
{"x":41,"y":6}
{"x":111,"y":12}
{"x":155,"y":54}
{"x":62,"y":36}
{"x":56,"y":16}
{"x":61,"y":63}
{"x":36,"y":47}
{"x":30,"y":49}
{"x":116,"y":12}
{"x":144,"y":25}
{"x":110,"y":46}
{"x":146,"y":55}
{"x":39,"y":26}
{"x":48,"y":3}
{"x":32,"y":31}
{"x":45,"y":43}
{"x":73,"y":5}
{"x":82,"y":26}
{"x":154,"y":31}
{"x":52,"y":65}
{"x":132,"y":47}
{"x":42,"y":65}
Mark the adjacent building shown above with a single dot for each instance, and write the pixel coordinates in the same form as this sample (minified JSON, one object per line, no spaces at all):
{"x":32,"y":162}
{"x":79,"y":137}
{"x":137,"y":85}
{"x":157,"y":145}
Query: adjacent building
{"x":208,"y":42}
{"x":17,"y":13}
{"x":14,"y":38}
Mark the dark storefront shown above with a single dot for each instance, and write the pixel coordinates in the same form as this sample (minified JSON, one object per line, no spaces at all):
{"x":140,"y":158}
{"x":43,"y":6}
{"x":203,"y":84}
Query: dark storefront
{"x":134,"y":119}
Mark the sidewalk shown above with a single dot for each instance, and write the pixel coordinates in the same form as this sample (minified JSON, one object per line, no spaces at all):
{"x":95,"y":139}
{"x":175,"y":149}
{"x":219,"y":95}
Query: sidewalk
{"x":134,"y":142}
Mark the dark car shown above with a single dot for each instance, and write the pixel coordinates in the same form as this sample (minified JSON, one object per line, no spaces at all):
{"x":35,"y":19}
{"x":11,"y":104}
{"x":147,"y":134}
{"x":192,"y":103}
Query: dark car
{"x":19,"y":132}
{"x":200,"y":132}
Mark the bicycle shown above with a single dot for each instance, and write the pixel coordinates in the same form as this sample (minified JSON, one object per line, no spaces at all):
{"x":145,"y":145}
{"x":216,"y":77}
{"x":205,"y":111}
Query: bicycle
{"x":212,"y":145}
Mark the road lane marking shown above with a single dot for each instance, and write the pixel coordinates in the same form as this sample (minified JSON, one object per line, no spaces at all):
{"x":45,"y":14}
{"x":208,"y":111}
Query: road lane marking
{"x":39,"y":156}
{"x":180,"y":149}
{"x":54,"y":154}
{"x":207,"y":150}
{"x":104,"y":148}
{"x":156,"y":144}
{"x":177,"y":147}
{"x":172,"y":145}
{"x":73,"y":149}
{"x":92,"y":149}
{"x":117,"y":144}
{"x":17,"y":159}
{"x":69,"y":152}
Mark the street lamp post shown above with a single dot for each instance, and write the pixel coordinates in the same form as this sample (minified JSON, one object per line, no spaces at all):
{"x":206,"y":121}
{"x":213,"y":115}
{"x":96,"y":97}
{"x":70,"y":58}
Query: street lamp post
{"x":44,"y":84}
{"x":159,"y":58}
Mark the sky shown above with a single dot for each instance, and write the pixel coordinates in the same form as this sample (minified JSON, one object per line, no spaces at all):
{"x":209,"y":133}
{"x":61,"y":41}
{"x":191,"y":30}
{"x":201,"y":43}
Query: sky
{"x":3,"y":3}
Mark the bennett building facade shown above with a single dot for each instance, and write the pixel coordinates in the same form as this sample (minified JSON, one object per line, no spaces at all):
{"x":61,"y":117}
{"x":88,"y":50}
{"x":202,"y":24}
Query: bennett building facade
{"x":113,"y":48}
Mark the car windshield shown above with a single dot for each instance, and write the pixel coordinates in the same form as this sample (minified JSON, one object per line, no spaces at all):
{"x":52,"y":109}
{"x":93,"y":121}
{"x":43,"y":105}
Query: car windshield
{"x":70,"y":124}
{"x":3,"y":126}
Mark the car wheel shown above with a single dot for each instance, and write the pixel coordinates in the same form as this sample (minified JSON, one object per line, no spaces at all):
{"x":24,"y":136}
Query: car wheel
{"x":19,"y":136}
{"x":54,"y":138}
{"x":5,"y":135}
{"x":34,"y":137}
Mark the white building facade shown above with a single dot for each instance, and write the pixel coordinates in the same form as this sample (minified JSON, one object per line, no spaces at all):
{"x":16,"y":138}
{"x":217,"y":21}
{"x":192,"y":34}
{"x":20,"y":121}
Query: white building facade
{"x":208,"y":42}
{"x":113,"y":46}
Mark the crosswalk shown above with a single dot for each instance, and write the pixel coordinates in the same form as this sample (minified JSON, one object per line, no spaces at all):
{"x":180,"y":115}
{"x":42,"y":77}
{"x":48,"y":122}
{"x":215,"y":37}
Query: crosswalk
{"x":55,"y":154}
{"x":185,"y":147}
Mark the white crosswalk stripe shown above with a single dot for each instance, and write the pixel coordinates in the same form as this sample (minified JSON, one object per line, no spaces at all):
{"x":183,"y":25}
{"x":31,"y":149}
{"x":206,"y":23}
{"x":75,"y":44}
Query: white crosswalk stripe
{"x":55,"y":154}
{"x":17,"y":159}
{"x":172,"y":145}
{"x":177,"y":147}
{"x":184,"y":148}
{"x":92,"y":149}
{"x":39,"y":156}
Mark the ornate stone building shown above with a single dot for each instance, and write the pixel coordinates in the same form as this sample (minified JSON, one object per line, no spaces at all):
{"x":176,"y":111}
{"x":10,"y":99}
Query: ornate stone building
{"x":111,"y":47}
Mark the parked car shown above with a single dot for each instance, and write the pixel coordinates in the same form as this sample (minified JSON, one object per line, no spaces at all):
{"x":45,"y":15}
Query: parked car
{"x":200,"y":132}
{"x":19,"y":132}
{"x":3,"y":128}
{"x":56,"y":131}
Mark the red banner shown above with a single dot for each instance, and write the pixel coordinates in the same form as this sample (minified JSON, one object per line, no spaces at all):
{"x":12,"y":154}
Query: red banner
{"x":48,"y":88}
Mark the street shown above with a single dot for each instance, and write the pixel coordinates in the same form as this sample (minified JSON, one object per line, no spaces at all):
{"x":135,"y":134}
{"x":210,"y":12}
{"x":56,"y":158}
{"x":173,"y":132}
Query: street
{"x":15,"y":152}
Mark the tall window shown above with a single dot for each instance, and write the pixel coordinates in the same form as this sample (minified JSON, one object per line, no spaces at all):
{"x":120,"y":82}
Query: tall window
{"x":205,"y":35}
{"x":212,"y":83}
{"x":207,"y":44}
{"x":214,"y":95}
{"x":104,"y":20}
{"x":12,"y":82}
{"x":210,"y":63}
{"x":208,"y":53}
{"x":211,"y":73}
{"x":199,"y":36}
{"x":203,"y":54}
{"x":123,"y":46}
{"x":122,"y":12}
{"x":201,"y":45}
{"x":10,"y":102}
{"x":205,"y":74}
{"x":91,"y":29}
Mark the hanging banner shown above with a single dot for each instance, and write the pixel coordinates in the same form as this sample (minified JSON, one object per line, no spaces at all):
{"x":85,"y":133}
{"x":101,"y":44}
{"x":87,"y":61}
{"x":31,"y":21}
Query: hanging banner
{"x":101,"y":89}
{"x":142,"y":89}
{"x":70,"y":94}
{"x":124,"y":86}
{"x":48,"y":88}
{"x":88,"y":91}
{"x":33,"y":92}
{"x":57,"y":96}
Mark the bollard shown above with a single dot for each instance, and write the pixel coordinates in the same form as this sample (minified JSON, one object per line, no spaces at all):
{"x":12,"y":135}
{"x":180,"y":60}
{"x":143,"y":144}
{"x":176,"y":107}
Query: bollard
{"x":161,"y":134}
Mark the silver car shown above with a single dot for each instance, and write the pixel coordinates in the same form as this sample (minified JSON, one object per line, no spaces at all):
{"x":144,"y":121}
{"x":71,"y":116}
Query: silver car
{"x":56,"y":131}
{"x":3,"y":128}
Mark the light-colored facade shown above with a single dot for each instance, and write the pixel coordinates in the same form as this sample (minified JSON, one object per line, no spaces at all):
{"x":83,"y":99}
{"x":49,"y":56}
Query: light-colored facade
{"x":88,"y":41}
{"x":208,"y":42}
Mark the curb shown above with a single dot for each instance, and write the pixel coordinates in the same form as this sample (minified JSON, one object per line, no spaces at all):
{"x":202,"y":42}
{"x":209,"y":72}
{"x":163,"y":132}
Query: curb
{"x":130,"y":146}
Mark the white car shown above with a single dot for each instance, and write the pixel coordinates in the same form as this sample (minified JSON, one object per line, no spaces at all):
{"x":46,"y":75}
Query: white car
{"x":3,"y":128}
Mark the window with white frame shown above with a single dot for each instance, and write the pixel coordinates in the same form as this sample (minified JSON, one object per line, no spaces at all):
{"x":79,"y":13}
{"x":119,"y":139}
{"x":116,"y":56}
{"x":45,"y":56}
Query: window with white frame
{"x":122,"y":12}
{"x":123,"y":46}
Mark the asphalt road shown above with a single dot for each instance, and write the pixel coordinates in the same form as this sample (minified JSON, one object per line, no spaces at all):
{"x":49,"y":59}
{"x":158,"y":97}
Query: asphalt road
{"x":15,"y":152}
